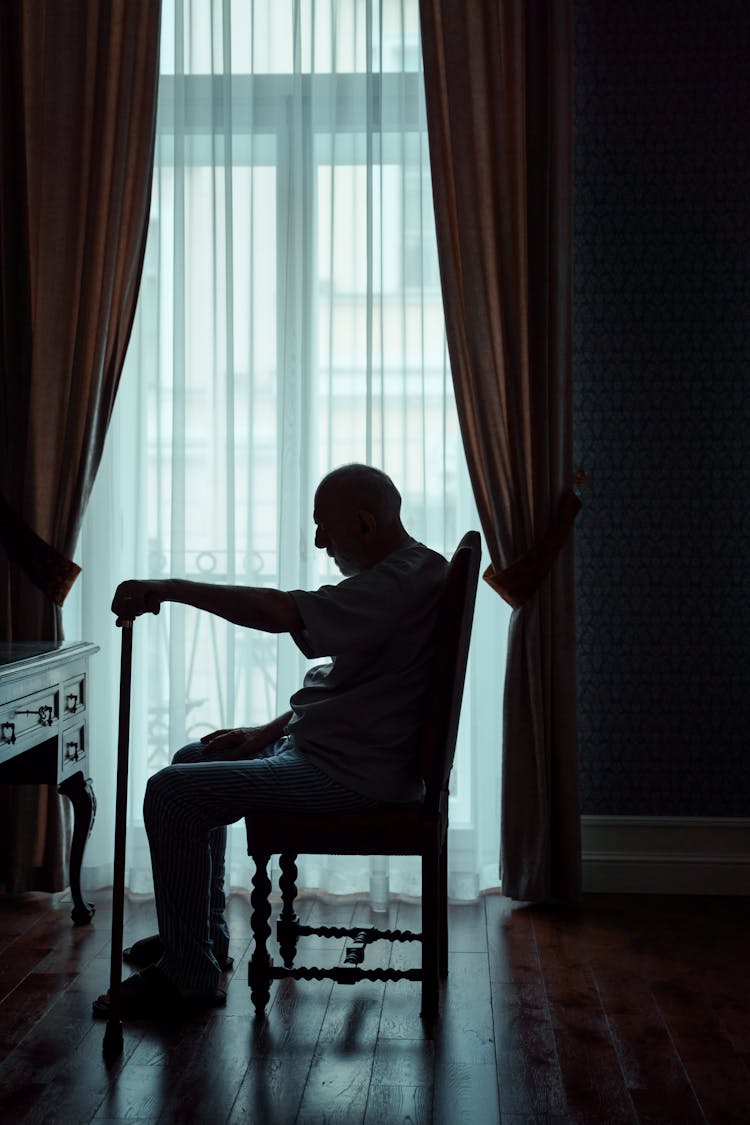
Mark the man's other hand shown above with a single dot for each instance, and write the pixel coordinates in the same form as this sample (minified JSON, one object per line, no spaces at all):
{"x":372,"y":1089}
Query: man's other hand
{"x":133,"y":598}
{"x":237,"y":744}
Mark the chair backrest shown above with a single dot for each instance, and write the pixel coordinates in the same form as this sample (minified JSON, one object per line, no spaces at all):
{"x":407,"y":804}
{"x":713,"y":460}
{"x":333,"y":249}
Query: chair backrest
{"x":453,"y":634}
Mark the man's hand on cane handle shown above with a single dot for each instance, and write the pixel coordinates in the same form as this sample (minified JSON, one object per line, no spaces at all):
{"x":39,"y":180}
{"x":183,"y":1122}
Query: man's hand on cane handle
{"x":134,"y":598}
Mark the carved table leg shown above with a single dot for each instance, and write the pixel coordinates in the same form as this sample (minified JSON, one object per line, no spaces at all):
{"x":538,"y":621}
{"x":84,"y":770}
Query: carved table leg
{"x":286,"y":927}
{"x":80,"y":793}
{"x":259,"y":969}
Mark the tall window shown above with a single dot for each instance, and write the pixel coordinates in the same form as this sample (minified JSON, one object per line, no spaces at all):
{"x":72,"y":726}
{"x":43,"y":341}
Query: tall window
{"x":290,"y":320}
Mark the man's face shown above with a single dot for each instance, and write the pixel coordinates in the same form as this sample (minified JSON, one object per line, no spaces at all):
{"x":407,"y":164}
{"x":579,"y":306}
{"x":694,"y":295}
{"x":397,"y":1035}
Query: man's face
{"x":337,"y":532}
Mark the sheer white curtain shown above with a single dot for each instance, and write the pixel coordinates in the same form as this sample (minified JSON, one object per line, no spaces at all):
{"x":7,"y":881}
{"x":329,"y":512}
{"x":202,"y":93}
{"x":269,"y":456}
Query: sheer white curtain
{"x":290,"y":320}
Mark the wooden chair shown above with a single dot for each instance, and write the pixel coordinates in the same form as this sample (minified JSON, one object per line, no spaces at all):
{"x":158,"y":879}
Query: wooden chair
{"x":414,"y":829}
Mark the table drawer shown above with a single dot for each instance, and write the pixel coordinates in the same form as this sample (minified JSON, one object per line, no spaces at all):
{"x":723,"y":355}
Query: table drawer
{"x":74,"y":696}
{"x":72,"y":750}
{"x":29,"y":714}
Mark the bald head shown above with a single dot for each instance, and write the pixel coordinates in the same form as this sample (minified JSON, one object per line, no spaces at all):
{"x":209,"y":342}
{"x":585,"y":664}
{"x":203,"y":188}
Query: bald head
{"x":358,"y":517}
{"x":364,"y":487}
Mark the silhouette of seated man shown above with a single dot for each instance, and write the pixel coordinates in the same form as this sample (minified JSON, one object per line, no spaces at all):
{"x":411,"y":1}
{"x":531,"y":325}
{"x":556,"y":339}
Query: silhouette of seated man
{"x":348,"y":742}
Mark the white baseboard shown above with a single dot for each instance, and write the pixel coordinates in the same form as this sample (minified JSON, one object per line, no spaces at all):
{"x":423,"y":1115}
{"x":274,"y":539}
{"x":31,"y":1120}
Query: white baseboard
{"x":666,"y":855}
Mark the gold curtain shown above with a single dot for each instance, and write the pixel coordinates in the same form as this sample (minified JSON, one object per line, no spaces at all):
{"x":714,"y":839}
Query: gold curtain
{"x":78,"y":86}
{"x":498,"y":80}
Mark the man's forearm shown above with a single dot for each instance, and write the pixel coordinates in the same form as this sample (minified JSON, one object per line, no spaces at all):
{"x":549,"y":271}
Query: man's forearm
{"x":272,"y":611}
{"x":256,"y":607}
{"x":276,"y":726}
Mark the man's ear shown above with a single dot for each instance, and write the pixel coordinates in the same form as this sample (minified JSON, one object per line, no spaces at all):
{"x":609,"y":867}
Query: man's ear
{"x":367,"y":522}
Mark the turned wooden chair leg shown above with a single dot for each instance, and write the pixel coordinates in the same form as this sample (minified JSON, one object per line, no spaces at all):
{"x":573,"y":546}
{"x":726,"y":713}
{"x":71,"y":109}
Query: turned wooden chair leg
{"x":286,"y":927}
{"x":259,"y":969}
{"x":430,"y":934}
{"x":443,"y":912}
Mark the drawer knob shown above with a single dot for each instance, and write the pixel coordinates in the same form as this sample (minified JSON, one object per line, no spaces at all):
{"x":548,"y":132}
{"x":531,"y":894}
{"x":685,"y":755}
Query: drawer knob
{"x":71,"y":702}
{"x":72,"y":752}
{"x":9,"y":733}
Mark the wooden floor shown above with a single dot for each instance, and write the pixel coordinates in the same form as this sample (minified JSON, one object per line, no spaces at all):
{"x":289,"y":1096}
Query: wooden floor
{"x":629,"y":1010}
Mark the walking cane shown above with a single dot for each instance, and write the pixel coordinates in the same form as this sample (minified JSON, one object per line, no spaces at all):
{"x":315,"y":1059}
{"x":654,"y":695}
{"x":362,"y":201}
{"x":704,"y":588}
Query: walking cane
{"x":112,"y":1045}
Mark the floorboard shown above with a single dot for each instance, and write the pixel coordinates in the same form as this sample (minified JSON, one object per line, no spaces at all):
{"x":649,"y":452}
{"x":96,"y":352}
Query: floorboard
{"x":631,"y":1010}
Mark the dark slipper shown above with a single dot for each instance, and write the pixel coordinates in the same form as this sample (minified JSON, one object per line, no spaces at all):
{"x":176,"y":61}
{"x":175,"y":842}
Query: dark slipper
{"x":149,"y":950}
{"x":151,"y":993}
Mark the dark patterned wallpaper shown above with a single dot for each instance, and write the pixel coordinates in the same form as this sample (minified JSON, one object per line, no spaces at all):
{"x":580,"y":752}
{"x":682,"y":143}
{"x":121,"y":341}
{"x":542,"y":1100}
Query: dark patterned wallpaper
{"x":662,"y":404}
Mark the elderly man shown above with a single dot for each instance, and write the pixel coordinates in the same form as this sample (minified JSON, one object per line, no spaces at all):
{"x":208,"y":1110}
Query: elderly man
{"x":349,"y":740}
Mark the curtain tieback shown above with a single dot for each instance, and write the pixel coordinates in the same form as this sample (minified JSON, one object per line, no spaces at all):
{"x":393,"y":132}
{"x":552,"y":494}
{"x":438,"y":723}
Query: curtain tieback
{"x":50,"y":571}
{"x":520,"y":581}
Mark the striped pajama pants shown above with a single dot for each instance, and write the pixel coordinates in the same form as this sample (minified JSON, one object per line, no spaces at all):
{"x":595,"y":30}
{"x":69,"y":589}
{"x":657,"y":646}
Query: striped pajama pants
{"x":186,"y":810}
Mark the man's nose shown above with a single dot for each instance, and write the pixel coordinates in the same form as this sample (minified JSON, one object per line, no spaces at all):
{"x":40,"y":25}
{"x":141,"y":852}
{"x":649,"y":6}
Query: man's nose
{"x":321,"y":540}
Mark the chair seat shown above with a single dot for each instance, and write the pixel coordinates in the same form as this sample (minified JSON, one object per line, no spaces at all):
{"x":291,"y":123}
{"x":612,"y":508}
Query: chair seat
{"x":403,"y":829}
